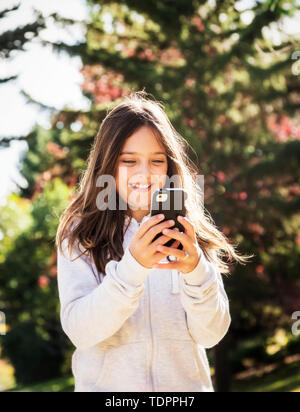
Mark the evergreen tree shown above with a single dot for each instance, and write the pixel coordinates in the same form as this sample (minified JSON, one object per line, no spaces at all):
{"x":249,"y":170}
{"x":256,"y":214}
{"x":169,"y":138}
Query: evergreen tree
{"x":233,"y":95}
{"x":16,"y":39}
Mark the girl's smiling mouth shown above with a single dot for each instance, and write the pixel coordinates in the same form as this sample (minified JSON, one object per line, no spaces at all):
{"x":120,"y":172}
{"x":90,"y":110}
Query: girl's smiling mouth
{"x":140,"y":188}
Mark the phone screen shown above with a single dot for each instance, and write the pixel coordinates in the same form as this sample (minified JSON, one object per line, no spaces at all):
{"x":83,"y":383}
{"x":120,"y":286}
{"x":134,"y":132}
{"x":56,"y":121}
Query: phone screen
{"x":170,"y":202}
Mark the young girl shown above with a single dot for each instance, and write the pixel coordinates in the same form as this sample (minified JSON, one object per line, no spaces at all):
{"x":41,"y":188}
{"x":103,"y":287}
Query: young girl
{"x":138,"y":321}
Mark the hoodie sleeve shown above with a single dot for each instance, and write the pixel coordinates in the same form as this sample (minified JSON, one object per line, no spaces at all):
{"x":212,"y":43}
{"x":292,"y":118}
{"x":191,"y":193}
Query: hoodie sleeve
{"x":206,"y":303}
{"x":92,"y":312}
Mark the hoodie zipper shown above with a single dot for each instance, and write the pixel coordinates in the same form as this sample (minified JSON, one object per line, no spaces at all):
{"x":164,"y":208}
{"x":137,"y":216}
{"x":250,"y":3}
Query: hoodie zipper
{"x":152,"y":340}
{"x":151,"y":331}
{"x":175,"y":282}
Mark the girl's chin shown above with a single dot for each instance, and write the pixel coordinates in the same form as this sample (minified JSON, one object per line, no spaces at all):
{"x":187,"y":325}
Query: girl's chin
{"x":139,"y":199}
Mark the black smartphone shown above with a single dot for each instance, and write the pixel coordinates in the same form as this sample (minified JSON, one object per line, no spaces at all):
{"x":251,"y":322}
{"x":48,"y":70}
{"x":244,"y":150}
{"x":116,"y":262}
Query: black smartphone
{"x":170,"y":202}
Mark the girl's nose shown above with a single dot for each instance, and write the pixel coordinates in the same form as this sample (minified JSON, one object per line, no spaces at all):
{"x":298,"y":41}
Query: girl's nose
{"x":144,"y":174}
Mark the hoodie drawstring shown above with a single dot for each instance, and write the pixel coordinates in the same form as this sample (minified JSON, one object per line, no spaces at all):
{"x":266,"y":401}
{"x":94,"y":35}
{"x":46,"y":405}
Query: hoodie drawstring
{"x":175,"y":282}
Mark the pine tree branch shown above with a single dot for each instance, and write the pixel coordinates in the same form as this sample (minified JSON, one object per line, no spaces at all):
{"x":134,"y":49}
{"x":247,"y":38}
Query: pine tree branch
{"x":78,"y":49}
{"x":114,"y":61}
{"x":161,"y":11}
{"x":276,"y":166}
{"x":63,"y":20}
{"x":15,"y":39}
{"x":3,"y":13}
{"x":286,"y":208}
{"x":291,"y":207}
{"x":263,"y":73}
{"x":40,"y":105}
{"x":5,"y":142}
{"x":8,"y":79}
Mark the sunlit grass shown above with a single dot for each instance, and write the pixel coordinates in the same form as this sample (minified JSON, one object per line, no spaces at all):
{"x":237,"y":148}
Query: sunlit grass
{"x":65,"y":384}
{"x":7,"y":379}
{"x":284,"y":379}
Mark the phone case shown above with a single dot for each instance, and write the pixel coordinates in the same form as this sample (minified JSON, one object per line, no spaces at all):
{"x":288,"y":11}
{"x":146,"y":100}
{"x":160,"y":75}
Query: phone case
{"x":170,"y":202}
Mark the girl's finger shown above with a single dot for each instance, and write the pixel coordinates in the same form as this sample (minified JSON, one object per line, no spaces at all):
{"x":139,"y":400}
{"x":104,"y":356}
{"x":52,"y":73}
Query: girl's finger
{"x":176,"y":244}
{"x":159,"y":256}
{"x":187,"y":224}
{"x":171,"y":251}
{"x":148,"y":224}
{"x":186,"y":241}
{"x":154,"y":231}
{"x":161,"y":240}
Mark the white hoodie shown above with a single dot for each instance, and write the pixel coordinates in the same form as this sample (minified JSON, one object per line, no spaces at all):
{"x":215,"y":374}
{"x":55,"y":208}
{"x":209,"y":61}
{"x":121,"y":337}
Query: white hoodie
{"x":139,"y":329}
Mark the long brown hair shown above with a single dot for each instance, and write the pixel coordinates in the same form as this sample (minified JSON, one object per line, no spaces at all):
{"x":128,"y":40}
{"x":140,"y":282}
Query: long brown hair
{"x":99,"y":232}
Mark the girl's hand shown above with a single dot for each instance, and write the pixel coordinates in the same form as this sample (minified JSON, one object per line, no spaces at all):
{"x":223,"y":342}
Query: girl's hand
{"x":143,"y":249}
{"x":190,"y":245}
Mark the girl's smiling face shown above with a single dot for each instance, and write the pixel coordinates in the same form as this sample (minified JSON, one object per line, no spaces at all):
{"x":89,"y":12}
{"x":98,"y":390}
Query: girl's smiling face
{"x":143,"y":161}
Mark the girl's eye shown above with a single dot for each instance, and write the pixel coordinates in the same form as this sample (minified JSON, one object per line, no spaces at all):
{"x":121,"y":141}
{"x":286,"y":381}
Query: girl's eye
{"x":132,"y":161}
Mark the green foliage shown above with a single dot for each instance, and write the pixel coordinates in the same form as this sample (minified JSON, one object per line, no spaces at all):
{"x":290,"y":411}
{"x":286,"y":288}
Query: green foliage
{"x":34,"y":359}
{"x":65,"y":384}
{"x":230,"y":91}
{"x":16,"y":39}
{"x":35,"y":343}
{"x":282,"y":379}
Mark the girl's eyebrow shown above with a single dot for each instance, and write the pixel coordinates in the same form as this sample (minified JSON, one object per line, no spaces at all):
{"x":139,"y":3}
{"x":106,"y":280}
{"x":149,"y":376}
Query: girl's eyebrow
{"x":139,"y":153}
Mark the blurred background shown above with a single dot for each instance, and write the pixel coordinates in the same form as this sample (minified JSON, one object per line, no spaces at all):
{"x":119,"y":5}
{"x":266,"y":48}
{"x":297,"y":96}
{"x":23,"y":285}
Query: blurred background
{"x":228,"y":73}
